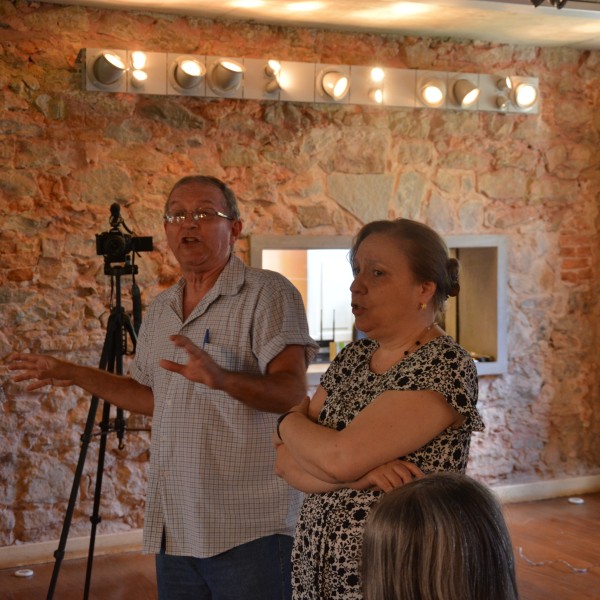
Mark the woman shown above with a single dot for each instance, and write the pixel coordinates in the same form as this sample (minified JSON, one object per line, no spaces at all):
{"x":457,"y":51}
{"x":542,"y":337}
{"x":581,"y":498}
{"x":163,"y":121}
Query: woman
{"x":407,"y":391}
{"x":440,"y":538}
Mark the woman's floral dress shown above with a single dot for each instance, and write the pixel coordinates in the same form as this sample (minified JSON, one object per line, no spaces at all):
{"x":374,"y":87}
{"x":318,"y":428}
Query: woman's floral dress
{"x":327,"y":545}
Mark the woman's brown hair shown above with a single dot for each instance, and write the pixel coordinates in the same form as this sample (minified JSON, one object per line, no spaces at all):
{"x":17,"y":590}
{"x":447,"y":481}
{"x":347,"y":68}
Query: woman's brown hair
{"x":425,"y":250}
{"x":442,"y":537}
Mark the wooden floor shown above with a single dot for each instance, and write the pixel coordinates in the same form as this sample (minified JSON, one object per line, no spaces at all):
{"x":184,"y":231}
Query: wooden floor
{"x":557,"y":547}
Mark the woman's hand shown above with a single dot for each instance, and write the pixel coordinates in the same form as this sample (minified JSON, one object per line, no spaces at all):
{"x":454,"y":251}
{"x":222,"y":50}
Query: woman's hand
{"x":388,"y":476}
{"x":43,"y":369}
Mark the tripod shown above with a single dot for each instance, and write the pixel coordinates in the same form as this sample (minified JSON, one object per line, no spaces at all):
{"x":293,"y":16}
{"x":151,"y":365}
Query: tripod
{"x":115,"y":344}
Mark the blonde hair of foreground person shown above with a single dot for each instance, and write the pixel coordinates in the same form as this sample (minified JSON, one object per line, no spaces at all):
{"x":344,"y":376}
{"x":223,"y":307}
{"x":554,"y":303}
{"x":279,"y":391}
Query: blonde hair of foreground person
{"x":442,"y":537}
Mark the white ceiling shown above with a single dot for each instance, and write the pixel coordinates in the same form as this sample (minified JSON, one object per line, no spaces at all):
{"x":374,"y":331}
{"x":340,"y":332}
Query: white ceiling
{"x":510,"y":21}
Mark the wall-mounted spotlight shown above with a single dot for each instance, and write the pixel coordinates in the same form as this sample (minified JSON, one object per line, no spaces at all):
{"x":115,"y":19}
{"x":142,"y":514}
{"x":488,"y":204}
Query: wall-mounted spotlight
{"x":377,"y":75}
{"x":525,"y":95}
{"x":108,"y":68}
{"x":502,"y":102}
{"x":263,"y":80}
{"x":272,"y":68}
{"x":498,"y":94}
{"x":376,"y":95}
{"x":138,"y":78}
{"x":273,"y":73}
{"x":225,"y":76}
{"x":188,"y":73}
{"x":504,"y":84}
{"x":376,"y":91}
{"x":522,"y":94}
{"x":138,"y":60}
{"x":147,"y":72}
{"x":431,"y":92}
{"x":334,"y":84}
{"x":465,"y":93}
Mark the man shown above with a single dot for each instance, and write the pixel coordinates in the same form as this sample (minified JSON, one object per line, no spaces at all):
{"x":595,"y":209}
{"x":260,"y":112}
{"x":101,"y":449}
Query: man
{"x":218,"y":355}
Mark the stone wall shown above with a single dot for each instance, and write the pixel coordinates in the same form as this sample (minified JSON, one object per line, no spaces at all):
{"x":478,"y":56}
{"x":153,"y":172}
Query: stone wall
{"x":66,"y":155}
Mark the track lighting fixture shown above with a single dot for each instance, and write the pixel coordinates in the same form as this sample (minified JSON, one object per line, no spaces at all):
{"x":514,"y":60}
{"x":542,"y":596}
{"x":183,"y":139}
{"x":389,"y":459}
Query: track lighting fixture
{"x":272,"y":86}
{"x":225,"y":76}
{"x":525,"y":95}
{"x":273,"y":71}
{"x":376,"y":95}
{"x":272,"y":68}
{"x":108,"y":68}
{"x":502,"y":102}
{"x":138,"y":78}
{"x":137,"y":72}
{"x":465,"y":93}
{"x":138,"y":60}
{"x":377,"y":75}
{"x":334,"y":84}
{"x":431,"y":92}
{"x":188,"y":73}
{"x":504,"y":84}
{"x":138,"y":75}
{"x":376,"y":91}
{"x":516,"y":94}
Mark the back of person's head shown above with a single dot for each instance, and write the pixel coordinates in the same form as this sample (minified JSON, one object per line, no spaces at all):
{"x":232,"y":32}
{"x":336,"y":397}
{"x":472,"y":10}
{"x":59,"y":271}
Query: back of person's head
{"x":228,"y":195}
{"x":442,"y":537}
{"x":425,"y":250}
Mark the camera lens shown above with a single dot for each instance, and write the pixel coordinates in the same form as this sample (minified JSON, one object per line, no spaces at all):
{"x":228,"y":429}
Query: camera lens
{"x":115,"y":245}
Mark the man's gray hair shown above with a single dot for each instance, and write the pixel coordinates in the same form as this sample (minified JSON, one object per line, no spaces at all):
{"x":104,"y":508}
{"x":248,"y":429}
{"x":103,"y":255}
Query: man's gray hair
{"x":230,"y":199}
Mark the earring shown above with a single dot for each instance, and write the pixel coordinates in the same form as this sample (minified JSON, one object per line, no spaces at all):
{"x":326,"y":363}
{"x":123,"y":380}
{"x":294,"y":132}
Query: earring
{"x":422,"y":306}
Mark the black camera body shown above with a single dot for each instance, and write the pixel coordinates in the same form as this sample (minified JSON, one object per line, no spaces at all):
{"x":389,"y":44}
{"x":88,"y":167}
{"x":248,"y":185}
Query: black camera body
{"x":116,"y":245}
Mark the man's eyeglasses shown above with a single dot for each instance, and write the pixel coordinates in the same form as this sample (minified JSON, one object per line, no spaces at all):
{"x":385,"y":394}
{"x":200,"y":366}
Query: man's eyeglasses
{"x":200,"y":214}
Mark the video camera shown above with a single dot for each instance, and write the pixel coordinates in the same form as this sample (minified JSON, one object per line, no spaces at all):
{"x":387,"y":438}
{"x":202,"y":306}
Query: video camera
{"x":116,"y":246}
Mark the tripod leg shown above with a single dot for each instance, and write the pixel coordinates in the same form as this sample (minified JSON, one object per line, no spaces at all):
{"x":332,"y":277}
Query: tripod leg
{"x":106,"y":360}
{"x":60,"y":551}
{"x":113,"y":347}
{"x":111,"y":360}
{"x":95,"y":518}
